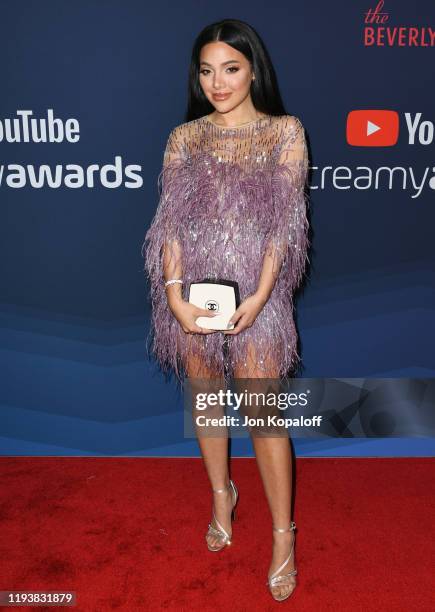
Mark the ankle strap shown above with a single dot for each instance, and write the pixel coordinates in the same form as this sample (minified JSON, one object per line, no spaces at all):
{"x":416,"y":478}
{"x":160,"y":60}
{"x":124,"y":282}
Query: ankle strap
{"x":222,"y":490}
{"x":282,"y":530}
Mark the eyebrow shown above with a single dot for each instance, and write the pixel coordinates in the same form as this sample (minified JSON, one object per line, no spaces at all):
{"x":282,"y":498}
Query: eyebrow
{"x":223,"y":63}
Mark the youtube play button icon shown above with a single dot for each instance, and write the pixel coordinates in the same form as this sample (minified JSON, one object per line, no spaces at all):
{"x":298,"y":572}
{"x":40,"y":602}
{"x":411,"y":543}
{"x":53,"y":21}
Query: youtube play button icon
{"x":372,"y":128}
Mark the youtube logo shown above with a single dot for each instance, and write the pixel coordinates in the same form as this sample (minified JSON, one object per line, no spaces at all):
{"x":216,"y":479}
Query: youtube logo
{"x":372,"y":128}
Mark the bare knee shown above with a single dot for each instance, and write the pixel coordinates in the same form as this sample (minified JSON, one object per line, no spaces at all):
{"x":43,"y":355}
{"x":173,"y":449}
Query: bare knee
{"x":197,"y":368}
{"x":257,"y":364}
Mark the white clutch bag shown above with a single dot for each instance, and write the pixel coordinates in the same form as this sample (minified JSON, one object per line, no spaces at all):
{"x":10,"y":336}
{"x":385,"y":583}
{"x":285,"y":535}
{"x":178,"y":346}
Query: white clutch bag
{"x":216,"y":295}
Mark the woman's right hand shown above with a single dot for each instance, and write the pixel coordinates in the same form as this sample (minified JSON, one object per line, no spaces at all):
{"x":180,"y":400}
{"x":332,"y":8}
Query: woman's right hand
{"x":187,"y":313}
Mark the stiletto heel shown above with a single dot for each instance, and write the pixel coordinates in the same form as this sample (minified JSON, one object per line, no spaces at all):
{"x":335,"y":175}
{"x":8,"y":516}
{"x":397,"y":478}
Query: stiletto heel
{"x":220,"y":531}
{"x":274,"y":578}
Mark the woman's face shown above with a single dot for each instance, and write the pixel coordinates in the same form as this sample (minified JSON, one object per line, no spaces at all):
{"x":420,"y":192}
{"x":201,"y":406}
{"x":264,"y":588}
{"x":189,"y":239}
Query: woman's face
{"x":225,"y":76}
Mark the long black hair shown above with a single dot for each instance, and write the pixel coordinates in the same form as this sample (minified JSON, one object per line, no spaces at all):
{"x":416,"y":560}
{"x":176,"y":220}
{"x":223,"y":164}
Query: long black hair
{"x":265,"y":92}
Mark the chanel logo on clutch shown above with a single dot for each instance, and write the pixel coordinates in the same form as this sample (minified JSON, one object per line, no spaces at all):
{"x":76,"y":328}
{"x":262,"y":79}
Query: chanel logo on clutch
{"x":212,"y":305}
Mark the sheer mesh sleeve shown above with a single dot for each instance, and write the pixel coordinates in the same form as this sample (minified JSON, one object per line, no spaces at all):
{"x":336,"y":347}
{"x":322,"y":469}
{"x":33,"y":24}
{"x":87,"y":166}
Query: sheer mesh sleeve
{"x":163,"y":234}
{"x":287,"y":239}
{"x":163,"y":242}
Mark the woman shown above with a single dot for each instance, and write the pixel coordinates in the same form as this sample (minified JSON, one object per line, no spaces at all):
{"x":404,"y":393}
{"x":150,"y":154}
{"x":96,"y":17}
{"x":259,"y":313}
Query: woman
{"x":233,"y":206}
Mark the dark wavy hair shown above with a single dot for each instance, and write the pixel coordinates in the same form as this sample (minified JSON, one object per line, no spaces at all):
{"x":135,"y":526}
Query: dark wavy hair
{"x":265,"y":92}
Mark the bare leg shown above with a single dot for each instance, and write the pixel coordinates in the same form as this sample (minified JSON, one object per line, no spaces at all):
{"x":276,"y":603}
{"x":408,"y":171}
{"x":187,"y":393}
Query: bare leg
{"x":274,"y":460}
{"x":214,"y":449}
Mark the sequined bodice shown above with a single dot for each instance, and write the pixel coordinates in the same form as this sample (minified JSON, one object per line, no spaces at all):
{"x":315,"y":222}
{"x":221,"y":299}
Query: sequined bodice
{"x":230,"y":202}
{"x":248,"y":147}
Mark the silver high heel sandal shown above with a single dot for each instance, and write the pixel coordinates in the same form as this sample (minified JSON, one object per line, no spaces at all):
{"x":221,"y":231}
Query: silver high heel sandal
{"x":220,"y":531}
{"x":274,"y":579}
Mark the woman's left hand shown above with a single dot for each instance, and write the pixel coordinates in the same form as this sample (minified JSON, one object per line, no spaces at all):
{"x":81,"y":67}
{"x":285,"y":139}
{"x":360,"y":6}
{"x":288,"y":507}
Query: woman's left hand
{"x":246,"y":314}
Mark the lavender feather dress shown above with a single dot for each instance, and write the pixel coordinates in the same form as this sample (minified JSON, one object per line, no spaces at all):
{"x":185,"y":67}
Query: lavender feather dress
{"x":228,"y":196}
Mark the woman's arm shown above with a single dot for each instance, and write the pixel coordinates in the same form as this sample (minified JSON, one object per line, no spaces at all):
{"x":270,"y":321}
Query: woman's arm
{"x":268,"y":277}
{"x":173,"y":268}
{"x":287,"y":238}
{"x":162,"y":246}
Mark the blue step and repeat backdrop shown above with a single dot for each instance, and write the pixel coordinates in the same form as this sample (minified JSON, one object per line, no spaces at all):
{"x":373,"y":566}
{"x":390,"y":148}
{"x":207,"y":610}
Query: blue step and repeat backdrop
{"x":90,"y":91}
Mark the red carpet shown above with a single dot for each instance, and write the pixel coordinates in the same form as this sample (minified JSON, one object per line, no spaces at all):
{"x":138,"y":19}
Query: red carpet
{"x":128,"y":534}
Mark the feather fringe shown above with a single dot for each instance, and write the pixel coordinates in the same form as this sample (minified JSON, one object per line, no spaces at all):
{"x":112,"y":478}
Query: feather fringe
{"x":225,"y":220}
